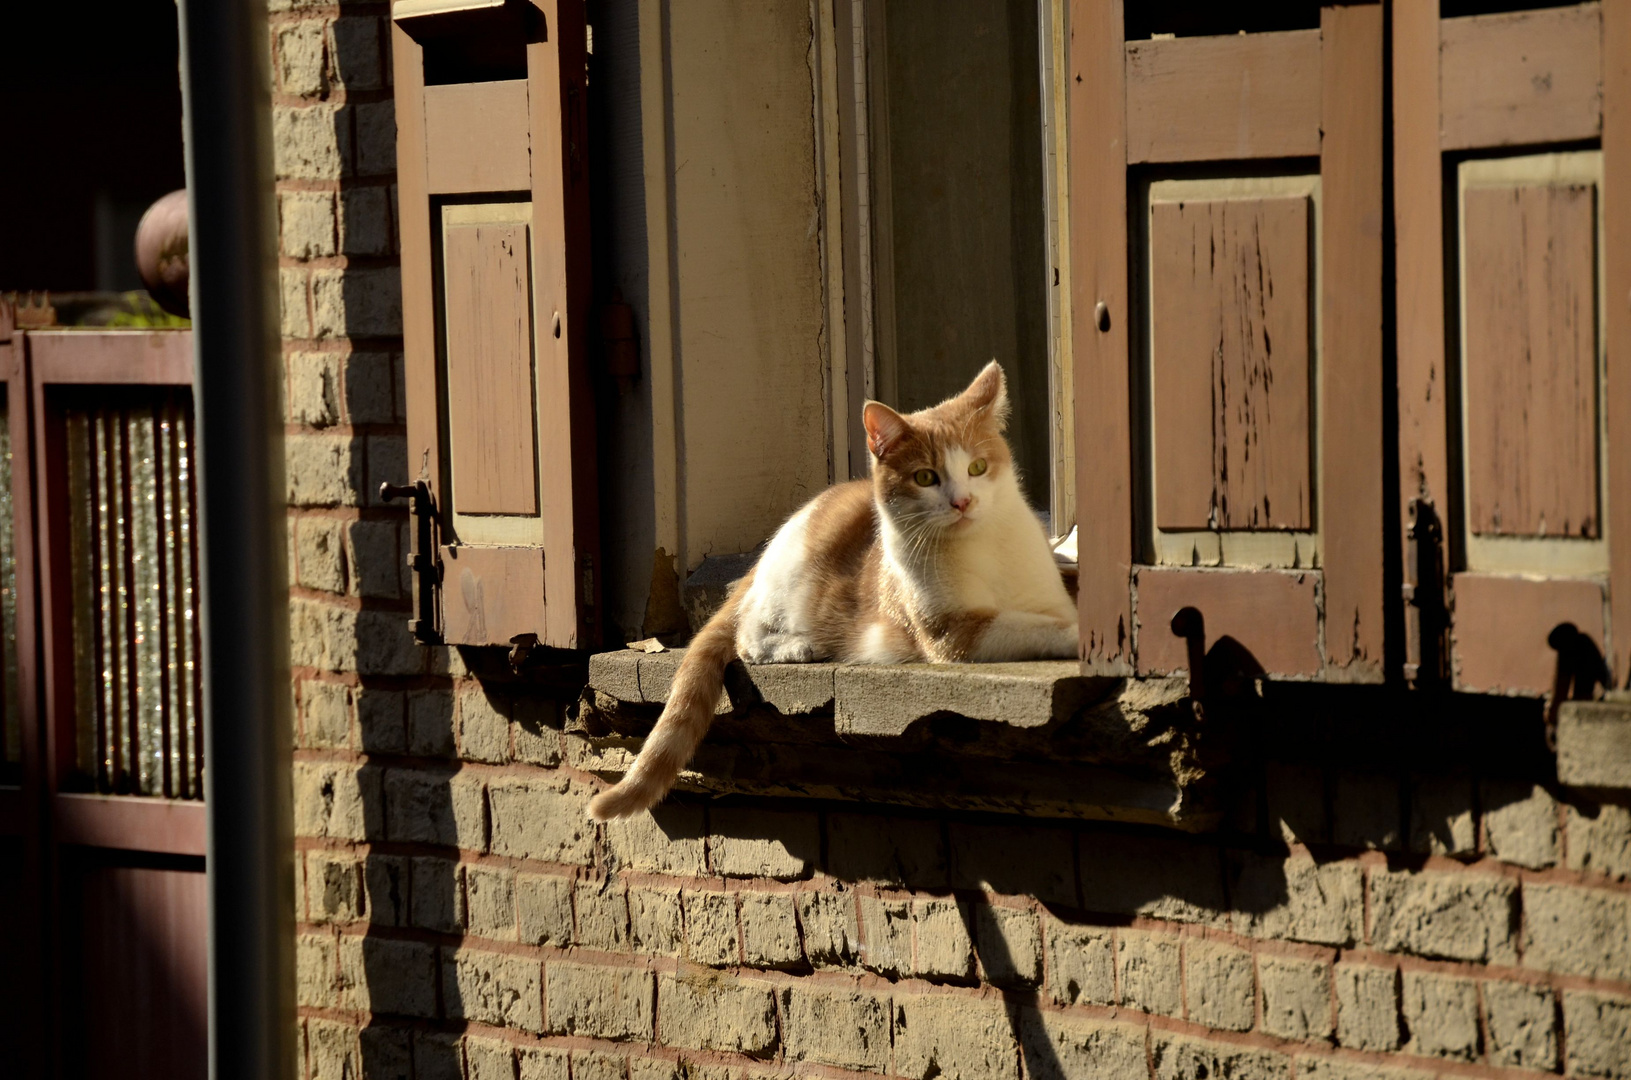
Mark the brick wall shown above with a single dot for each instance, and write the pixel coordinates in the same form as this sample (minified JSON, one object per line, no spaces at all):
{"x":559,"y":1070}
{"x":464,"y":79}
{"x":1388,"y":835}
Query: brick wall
{"x":461,"y":915}
{"x":458,"y":918}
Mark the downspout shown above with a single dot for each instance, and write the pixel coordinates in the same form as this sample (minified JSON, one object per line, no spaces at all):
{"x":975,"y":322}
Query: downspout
{"x":226,"y":101}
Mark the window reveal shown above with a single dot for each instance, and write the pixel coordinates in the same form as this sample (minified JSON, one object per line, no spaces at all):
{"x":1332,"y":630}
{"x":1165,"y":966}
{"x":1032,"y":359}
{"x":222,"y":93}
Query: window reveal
{"x":960,"y":260}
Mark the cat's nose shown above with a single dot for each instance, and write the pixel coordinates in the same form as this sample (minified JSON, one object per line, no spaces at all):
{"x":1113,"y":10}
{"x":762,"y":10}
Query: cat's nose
{"x":962,"y":502}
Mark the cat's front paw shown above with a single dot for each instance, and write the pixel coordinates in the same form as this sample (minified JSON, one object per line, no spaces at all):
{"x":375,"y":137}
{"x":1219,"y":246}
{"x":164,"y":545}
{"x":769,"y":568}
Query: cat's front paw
{"x":778,"y":649}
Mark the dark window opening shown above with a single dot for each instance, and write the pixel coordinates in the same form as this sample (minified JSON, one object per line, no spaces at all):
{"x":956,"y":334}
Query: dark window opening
{"x":959,"y":203}
{"x":1201,"y":18}
{"x":480,"y":45}
{"x":1455,"y":9}
{"x":93,"y":125}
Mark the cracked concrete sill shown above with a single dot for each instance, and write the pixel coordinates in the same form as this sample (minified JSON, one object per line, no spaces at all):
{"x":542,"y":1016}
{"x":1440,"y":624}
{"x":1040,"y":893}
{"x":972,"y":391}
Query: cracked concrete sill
{"x":1594,"y":742}
{"x":1036,"y":738}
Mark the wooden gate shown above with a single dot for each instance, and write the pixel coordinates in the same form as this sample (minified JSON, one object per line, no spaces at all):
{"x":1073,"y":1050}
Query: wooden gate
{"x":102,"y":701}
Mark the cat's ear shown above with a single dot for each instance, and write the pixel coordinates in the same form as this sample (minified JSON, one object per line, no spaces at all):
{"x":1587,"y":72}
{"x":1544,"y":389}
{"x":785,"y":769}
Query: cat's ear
{"x":884,"y":427}
{"x":988,"y":393}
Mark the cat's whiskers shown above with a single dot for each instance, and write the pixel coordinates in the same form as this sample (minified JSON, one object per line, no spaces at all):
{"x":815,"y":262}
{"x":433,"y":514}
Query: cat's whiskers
{"x":918,"y":530}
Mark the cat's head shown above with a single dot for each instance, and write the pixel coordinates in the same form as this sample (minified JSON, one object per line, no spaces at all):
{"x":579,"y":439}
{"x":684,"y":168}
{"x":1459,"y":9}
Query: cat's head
{"x":943,"y":469}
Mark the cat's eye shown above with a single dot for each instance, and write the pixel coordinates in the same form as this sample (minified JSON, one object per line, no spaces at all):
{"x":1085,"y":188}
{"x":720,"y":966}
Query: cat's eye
{"x":926,"y":477}
{"x":977,"y":467}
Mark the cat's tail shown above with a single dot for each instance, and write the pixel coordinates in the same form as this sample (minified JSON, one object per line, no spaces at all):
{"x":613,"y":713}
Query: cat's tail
{"x":684,"y":722}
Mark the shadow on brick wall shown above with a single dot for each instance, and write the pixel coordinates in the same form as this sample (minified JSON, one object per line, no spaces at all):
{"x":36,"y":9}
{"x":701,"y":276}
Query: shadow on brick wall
{"x":416,"y":903}
{"x":1328,"y":785}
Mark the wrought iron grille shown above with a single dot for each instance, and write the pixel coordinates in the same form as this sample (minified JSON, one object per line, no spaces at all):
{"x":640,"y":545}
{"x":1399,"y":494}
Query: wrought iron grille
{"x":137,"y":689}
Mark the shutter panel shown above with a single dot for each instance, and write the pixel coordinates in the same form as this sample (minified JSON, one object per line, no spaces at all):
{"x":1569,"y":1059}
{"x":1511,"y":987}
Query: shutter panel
{"x":1226,"y":212}
{"x":1513,"y":171}
{"x":492,"y":173}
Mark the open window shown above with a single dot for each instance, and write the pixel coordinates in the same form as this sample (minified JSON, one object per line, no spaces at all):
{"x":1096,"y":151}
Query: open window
{"x":1226,"y":241}
{"x":1512,"y":135}
{"x":954,"y":162}
{"x":493,"y":177}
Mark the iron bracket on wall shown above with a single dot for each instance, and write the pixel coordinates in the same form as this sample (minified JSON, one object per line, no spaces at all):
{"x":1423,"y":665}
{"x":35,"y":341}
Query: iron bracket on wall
{"x":422,"y":559}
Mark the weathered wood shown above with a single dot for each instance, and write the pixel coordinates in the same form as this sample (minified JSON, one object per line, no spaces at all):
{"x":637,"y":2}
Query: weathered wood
{"x":1230,"y":291}
{"x":1498,"y":637}
{"x":1098,"y":260}
{"x":1616,"y":211}
{"x":1327,"y":86}
{"x":556,"y":71}
{"x":1223,"y":98}
{"x":492,"y":594}
{"x":488,"y":314}
{"x":1521,"y":77}
{"x":1530,"y":359}
{"x":517,"y":350}
{"x":414,"y":238}
{"x":1273,"y":614}
{"x":152,"y":357}
{"x":477,"y":138}
{"x":1354,"y":456}
{"x":1418,"y":269}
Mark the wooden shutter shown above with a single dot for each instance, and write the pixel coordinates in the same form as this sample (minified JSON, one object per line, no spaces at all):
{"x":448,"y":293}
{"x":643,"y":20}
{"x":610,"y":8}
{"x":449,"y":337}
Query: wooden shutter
{"x":1512,"y":171}
{"x":1226,"y":240}
{"x":493,"y":176}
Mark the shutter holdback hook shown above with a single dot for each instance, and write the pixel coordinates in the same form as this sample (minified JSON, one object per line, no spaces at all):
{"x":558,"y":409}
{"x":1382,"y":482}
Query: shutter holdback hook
{"x":421,"y":560}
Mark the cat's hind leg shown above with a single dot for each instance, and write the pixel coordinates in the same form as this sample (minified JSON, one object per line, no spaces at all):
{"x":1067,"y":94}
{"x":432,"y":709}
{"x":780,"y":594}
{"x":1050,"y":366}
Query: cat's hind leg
{"x":883,"y":642}
{"x":1025,"y":635}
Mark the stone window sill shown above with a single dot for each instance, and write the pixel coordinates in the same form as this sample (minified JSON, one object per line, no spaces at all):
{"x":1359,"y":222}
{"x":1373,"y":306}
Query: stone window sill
{"x":1594,"y":742}
{"x":1035,"y":738}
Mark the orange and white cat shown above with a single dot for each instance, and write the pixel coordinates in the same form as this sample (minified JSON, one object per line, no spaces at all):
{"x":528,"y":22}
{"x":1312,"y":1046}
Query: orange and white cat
{"x":936,"y":558}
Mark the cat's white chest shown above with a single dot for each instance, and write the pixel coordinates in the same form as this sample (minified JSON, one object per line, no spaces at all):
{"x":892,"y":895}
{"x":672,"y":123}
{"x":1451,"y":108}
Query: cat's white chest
{"x":1008,"y":567}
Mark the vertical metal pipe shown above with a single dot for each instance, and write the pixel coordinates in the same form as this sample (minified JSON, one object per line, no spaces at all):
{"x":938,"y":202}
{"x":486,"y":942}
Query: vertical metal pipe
{"x":227,"y":109}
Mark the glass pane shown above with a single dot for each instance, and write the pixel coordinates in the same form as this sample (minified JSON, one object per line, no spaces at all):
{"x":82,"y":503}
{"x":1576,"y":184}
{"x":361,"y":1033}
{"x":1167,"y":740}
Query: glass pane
{"x":961,"y":263}
{"x":134,"y":564}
